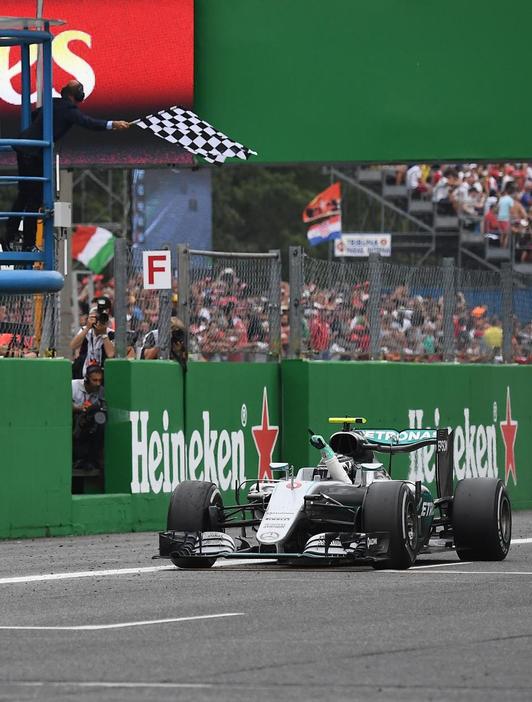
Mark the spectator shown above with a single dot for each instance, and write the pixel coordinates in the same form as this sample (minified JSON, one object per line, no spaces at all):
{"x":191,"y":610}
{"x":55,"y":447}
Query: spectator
{"x":442,"y":195}
{"x":503,"y":215}
{"x":416,"y":182}
{"x":94,"y":343}
{"x":151,"y":350}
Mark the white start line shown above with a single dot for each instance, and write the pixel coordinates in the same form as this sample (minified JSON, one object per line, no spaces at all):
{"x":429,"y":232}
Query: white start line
{"x":46,"y":577}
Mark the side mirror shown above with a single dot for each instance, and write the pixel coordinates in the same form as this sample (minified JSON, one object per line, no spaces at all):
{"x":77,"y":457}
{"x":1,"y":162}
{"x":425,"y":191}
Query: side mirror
{"x":279,"y":467}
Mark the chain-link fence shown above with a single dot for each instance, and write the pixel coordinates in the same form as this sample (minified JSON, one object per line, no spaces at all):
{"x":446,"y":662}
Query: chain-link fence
{"x":29,"y":325}
{"x":230,"y":304}
{"x":377,"y":310}
{"x":234,"y":307}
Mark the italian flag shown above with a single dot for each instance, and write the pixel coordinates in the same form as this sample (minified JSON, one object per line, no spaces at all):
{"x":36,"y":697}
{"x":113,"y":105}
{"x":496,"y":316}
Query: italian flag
{"x":93,"y":246}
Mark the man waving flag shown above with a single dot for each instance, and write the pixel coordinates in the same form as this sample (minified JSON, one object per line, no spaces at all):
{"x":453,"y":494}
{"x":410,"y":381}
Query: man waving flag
{"x":179,"y":126}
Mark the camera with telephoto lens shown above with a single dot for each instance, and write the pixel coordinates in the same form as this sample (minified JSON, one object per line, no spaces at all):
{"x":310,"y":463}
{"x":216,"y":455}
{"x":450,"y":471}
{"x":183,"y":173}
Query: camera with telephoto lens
{"x":94,"y":417}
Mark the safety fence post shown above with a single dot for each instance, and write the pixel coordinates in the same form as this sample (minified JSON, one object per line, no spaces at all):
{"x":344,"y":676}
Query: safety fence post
{"x":183,"y":287}
{"x":295,"y":277}
{"x":165,"y":312}
{"x":449,"y":296}
{"x":274,"y":306}
{"x":507,"y":311}
{"x":121,"y":294}
{"x":375,"y":290}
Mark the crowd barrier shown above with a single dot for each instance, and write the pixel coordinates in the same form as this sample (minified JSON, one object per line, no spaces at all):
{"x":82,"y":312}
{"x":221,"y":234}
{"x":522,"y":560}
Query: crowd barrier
{"x":226,"y":422}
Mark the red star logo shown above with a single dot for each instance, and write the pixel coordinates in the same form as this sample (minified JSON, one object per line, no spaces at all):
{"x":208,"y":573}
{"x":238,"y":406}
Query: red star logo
{"x":265,"y":438}
{"x":509,"y":431}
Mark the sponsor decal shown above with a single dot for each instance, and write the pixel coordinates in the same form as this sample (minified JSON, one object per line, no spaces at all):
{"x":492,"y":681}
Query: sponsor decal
{"x":269,"y":536}
{"x":160,"y":460}
{"x":293,"y":485}
{"x":265,"y":437}
{"x":509,"y":433}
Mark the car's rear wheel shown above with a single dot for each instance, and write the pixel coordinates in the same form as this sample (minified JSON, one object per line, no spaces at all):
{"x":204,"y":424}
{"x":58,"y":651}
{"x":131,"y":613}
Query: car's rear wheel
{"x":482,"y":519}
{"x":389,"y":506}
{"x":195,"y":505}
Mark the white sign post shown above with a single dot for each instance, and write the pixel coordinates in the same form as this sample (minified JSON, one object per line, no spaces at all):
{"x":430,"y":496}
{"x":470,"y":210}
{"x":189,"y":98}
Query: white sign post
{"x":157,"y":270}
{"x":357,"y":245}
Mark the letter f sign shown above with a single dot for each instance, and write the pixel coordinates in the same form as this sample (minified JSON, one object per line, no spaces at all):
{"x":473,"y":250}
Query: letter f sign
{"x":157,"y":270}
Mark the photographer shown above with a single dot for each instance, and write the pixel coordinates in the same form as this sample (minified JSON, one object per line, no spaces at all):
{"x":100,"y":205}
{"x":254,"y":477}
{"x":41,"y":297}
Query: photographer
{"x":89,"y":417}
{"x":178,"y":351}
{"x":94,"y":341}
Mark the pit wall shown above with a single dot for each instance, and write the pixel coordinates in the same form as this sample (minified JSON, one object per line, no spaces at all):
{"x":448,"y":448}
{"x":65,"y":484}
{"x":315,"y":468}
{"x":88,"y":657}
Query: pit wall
{"x":222,"y":422}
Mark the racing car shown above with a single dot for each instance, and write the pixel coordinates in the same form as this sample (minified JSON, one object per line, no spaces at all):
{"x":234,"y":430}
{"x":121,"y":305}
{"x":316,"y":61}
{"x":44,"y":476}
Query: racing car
{"x":347,"y":509}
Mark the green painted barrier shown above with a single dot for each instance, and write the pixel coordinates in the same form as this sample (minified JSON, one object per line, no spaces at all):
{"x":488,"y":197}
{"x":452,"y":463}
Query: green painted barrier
{"x":145,"y":423}
{"x":233,"y":421}
{"x":345,"y":80}
{"x":35,"y":447}
{"x":488,"y":406}
{"x":222,"y":422}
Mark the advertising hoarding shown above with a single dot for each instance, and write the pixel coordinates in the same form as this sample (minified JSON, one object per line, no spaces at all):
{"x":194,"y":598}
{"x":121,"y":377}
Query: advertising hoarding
{"x":357,"y":245}
{"x":131,"y":60}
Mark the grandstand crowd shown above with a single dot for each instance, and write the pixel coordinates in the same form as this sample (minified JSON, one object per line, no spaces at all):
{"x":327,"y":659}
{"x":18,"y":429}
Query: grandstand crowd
{"x":494,"y":200}
{"x":230,"y":320}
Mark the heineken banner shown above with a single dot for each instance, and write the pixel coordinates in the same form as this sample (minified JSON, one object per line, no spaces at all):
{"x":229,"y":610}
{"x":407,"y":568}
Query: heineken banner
{"x":221,"y":423}
{"x":487,"y":406}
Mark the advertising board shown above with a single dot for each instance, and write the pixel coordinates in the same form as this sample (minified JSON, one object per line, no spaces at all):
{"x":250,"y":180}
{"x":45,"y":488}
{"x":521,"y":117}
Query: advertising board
{"x":358,"y":245}
{"x":132,"y":62}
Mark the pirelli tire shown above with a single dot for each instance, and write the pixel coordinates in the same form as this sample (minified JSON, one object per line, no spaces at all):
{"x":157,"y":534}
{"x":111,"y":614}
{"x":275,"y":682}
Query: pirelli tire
{"x":482,"y":519}
{"x":390,"y":506}
{"x":195,"y":505}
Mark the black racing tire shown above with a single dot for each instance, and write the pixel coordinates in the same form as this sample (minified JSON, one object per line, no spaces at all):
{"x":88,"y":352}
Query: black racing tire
{"x":482,"y":519}
{"x":189,"y":511}
{"x":390,"y":506}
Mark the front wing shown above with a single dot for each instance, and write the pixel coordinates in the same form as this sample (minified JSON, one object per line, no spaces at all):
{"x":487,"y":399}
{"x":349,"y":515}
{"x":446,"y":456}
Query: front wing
{"x":329,"y":547}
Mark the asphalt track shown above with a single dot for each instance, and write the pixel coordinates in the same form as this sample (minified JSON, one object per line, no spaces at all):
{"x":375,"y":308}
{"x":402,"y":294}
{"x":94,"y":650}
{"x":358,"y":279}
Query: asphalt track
{"x":443,"y":630}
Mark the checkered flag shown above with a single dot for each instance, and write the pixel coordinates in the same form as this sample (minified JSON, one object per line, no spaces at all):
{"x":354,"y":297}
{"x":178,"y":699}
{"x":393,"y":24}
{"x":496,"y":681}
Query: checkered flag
{"x":179,"y":126}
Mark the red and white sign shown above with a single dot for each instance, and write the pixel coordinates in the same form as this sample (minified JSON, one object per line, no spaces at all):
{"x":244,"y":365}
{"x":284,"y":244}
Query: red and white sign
{"x":157,"y":270}
{"x":131,"y":59}
{"x":134,"y":58}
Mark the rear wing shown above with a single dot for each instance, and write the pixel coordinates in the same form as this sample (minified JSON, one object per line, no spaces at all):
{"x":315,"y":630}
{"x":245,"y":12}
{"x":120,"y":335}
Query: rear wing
{"x":393,"y":441}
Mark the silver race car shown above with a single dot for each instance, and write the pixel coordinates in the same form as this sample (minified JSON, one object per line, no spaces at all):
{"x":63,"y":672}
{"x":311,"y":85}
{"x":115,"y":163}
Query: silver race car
{"x":347,"y":509}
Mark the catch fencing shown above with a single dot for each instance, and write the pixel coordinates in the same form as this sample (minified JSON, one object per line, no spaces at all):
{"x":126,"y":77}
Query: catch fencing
{"x":236,"y":307}
{"x":229,"y":304}
{"x":381,"y":311}
{"x":29,"y":325}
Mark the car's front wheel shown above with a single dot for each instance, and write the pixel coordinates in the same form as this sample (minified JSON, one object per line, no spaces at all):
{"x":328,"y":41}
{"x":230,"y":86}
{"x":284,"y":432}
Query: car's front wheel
{"x":195,"y":505}
{"x":389,"y":506}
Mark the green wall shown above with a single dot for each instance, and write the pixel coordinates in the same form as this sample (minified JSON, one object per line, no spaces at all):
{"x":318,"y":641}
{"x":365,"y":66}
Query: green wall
{"x":223,"y":422}
{"x":35,"y":446}
{"x":346,"y":80}
{"x":469,"y":398}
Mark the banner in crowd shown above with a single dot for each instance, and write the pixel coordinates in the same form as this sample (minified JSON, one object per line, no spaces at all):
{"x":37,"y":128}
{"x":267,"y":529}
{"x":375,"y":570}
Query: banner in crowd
{"x":327,"y":230}
{"x":131,"y":61}
{"x":325,"y":204}
{"x":357,"y":245}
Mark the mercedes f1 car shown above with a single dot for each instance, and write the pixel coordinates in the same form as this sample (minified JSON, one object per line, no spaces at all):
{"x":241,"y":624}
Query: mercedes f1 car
{"x":346,"y":509}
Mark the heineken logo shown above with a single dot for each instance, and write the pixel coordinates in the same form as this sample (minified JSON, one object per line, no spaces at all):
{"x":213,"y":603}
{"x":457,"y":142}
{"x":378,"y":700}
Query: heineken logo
{"x":475,"y":446}
{"x":161,"y":459}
